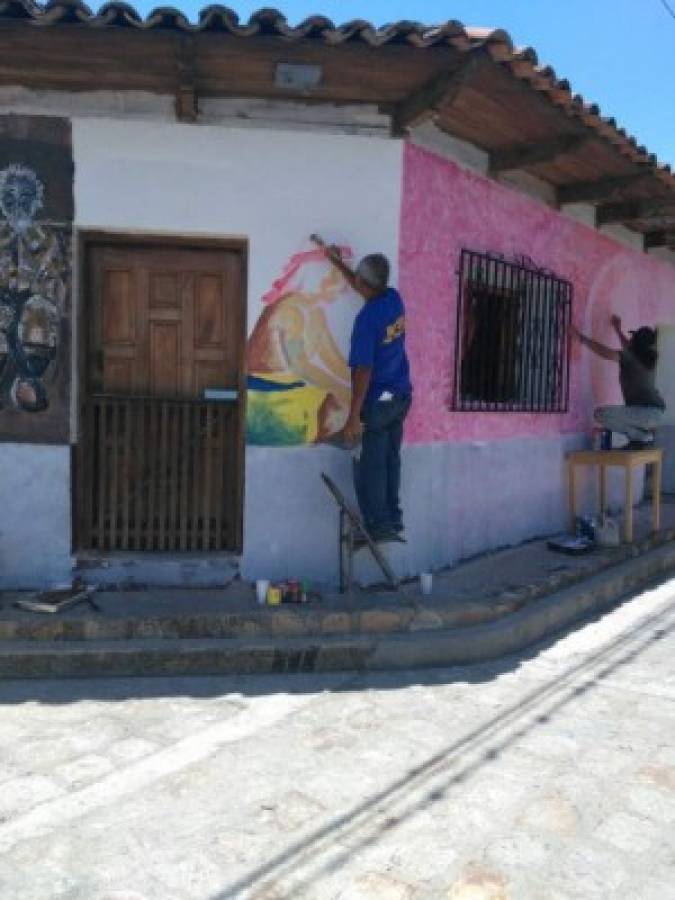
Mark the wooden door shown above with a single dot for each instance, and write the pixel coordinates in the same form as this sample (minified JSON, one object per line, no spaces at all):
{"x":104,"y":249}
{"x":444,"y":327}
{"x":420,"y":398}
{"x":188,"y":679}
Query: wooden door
{"x":160,"y":465}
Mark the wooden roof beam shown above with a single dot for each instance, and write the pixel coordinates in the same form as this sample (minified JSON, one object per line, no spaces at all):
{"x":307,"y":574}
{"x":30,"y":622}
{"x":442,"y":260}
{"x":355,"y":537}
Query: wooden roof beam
{"x":633,"y":210}
{"x":519,"y":156}
{"x":186,"y":103}
{"x":440,"y":91}
{"x":594,"y":191}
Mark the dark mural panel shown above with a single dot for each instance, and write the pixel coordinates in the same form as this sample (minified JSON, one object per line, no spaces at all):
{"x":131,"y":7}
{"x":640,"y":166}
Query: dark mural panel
{"x":36,"y":213}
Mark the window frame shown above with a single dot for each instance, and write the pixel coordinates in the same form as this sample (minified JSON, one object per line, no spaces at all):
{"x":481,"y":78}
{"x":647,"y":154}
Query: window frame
{"x":535,"y":359}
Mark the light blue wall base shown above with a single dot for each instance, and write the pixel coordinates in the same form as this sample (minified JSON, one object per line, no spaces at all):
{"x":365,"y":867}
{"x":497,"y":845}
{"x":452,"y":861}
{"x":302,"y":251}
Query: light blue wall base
{"x":459,"y":500}
{"x":34,"y":516}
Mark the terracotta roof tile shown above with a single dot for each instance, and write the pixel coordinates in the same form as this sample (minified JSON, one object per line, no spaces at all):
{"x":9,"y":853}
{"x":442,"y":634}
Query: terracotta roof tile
{"x":523,"y":63}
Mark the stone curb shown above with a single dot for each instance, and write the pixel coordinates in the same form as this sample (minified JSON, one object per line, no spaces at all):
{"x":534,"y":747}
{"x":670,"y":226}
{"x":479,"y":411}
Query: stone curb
{"x":447,"y":647}
{"x":530,"y":625}
{"x":370,"y":615}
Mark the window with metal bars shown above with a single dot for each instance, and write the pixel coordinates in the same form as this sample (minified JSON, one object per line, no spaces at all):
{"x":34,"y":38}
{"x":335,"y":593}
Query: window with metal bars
{"x":512,"y":350}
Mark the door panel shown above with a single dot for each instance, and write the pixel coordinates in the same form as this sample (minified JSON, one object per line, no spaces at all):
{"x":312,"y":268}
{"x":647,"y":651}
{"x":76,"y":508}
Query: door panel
{"x":161,"y":468}
{"x":165,"y":359}
{"x":119,"y":311}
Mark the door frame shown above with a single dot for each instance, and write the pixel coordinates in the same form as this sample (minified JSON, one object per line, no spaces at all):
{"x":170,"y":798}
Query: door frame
{"x":85,"y":240}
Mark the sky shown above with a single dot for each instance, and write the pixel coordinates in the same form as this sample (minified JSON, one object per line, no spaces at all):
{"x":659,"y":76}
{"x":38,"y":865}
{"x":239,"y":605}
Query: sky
{"x":619,"y":54}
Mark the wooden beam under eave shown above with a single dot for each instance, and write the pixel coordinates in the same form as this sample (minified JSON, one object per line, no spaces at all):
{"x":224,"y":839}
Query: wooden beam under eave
{"x":594,"y":191}
{"x":632,"y":211}
{"x":518,"y":156}
{"x":187,"y":108}
{"x":441,"y":91}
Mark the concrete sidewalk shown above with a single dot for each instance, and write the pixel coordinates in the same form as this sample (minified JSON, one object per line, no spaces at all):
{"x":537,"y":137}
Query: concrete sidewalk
{"x":480,"y":609}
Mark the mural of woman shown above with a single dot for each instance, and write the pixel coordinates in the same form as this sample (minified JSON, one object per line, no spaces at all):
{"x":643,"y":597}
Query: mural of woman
{"x":299,"y":381}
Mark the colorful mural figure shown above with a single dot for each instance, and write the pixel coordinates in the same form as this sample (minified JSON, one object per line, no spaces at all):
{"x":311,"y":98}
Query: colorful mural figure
{"x":299,"y":381}
{"x":29,"y":297}
{"x":35,"y":273}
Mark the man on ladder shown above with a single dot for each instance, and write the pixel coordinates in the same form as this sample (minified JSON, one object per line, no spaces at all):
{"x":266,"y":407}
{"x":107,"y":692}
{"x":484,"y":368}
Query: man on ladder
{"x":381,"y":393}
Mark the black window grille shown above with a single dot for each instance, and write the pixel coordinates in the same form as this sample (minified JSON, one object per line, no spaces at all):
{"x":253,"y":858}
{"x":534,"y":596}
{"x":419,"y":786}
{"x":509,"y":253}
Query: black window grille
{"x":512,"y":352}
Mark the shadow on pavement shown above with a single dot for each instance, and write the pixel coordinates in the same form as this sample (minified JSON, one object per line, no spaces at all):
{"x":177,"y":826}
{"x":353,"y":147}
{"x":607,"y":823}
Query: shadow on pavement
{"x":118,"y":689}
{"x":331,"y":846}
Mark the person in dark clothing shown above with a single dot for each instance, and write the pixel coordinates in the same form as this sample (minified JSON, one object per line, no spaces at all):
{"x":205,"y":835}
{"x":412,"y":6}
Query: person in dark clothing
{"x":381,"y":394}
{"x":644,"y":408}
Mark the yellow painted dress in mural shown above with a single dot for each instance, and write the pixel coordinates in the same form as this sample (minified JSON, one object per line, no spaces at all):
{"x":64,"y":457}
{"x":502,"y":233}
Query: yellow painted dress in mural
{"x":298,"y":383}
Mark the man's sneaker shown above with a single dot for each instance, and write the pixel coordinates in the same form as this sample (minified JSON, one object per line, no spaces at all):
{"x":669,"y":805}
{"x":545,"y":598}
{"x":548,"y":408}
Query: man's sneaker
{"x":378,"y":537}
{"x":388,"y":536}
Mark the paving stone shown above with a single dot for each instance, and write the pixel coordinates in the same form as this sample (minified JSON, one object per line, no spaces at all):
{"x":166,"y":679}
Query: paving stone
{"x":479,"y":882}
{"x":84,"y":770}
{"x":426,"y":620}
{"x":383,"y":620}
{"x":379,"y":886}
{"x":21,"y":793}
{"x":336,"y":623}
{"x":629,"y":833}
{"x":496,"y":782}
{"x":131,"y":748}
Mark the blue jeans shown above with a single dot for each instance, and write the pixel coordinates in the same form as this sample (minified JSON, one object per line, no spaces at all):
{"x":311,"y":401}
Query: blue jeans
{"x":377,"y":472}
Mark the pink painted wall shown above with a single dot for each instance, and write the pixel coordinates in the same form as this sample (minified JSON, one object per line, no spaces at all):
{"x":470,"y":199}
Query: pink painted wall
{"x":445,"y":209}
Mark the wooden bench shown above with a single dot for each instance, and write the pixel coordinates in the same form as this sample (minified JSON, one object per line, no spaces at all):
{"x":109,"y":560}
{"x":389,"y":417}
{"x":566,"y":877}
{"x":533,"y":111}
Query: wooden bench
{"x":628,"y":460}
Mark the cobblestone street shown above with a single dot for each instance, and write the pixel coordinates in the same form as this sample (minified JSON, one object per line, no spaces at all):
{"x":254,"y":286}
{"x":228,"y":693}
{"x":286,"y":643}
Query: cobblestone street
{"x":546,"y":777}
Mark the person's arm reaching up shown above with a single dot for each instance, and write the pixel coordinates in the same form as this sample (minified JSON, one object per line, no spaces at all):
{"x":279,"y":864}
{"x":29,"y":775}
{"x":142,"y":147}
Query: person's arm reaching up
{"x":597,"y":348}
{"x":616,"y":325}
{"x":333,"y":254}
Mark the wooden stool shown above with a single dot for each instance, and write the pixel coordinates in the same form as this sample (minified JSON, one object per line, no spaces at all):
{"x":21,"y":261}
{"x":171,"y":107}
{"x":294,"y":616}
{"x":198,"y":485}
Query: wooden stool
{"x":628,"y":460}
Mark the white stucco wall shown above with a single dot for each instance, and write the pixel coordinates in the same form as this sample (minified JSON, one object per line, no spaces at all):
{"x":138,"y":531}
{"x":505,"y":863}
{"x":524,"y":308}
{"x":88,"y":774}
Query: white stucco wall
{"x":35,"y":515}
{"x":665,"y":375}
{"x":273,"y":188}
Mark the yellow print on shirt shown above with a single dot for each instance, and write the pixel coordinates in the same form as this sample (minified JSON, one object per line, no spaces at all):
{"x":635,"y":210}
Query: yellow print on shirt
{"x":395,"y":330}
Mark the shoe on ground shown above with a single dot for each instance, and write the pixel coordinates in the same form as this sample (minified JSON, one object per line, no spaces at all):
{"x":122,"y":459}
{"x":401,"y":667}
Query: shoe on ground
{"x":636,"y":446}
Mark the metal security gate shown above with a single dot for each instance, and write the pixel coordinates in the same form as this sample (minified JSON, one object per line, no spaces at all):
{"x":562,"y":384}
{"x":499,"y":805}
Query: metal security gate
{"x":154,"y":475}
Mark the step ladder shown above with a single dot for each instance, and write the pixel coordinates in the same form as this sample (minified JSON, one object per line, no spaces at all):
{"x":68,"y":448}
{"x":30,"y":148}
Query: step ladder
{"x":351,"y":530}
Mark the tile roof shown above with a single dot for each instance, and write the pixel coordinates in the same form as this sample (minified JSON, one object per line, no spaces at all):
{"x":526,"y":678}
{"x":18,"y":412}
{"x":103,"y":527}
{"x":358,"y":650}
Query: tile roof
{"x":522,"y":62}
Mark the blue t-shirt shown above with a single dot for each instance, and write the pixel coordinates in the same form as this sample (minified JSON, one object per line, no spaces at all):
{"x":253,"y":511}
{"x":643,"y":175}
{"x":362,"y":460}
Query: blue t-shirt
{"x":378,"y":343}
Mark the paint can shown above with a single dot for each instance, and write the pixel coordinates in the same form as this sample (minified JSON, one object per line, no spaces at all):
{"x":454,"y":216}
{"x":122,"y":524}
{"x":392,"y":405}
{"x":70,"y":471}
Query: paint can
{"x":601,"y":439}
{"x":426,"y":583}
{"x":274,"y":595}
{"x":293,"y":591}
